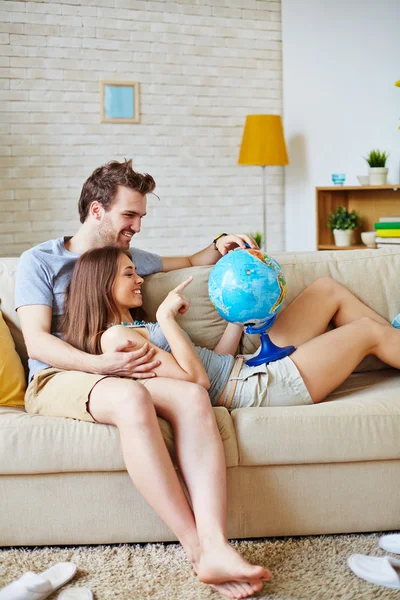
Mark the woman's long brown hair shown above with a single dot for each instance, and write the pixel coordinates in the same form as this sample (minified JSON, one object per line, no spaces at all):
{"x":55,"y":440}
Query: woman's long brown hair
{"x":89,"y":298}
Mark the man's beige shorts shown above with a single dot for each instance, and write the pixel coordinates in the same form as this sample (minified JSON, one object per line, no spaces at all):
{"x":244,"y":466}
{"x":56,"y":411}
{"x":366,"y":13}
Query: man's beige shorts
{"x":58,"y":393}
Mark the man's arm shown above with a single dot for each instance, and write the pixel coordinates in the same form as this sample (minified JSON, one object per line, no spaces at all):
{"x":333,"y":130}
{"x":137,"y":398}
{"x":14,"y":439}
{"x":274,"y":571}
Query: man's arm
{"x":210,"y":255}
{"x":42,"y":345}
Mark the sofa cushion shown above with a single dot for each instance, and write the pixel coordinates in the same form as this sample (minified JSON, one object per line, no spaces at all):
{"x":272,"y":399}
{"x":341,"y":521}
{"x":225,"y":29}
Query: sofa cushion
{"x":362,"y":424}
{"x":31,"y":444}
{"x":8,"y":268}
{"x":12,"y":376}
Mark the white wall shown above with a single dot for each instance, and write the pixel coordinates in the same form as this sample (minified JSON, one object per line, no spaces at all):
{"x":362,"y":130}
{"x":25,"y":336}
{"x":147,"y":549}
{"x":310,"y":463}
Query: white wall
{"x":203,"y":65}
{"x":340,"y":62}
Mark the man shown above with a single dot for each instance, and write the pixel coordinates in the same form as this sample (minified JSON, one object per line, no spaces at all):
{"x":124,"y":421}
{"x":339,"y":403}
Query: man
{"x":67,"y":382}
{"x":111,"y":207}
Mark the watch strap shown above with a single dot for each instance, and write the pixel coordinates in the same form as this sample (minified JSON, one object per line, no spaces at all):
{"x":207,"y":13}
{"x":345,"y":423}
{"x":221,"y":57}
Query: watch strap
{"x":217,"y":238}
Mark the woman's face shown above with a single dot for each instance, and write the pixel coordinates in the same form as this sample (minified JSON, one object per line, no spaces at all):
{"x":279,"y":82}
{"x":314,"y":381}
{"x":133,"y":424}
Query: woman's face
{"x":127,"y":284}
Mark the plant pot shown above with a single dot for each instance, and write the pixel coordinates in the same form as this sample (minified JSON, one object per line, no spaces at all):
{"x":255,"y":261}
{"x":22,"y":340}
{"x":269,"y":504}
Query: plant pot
{"x":378,"y":175}
{"x":343,"y":237}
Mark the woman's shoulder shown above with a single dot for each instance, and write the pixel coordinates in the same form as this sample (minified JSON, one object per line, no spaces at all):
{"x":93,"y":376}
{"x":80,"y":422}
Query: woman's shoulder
{"x":114,"y":331}
{"x":113,"y":328}
{"x":117,"y":334}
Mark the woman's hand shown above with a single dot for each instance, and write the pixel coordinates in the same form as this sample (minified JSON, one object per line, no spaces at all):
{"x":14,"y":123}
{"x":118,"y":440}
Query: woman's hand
{"x":175,"y":302}
{"x":182,"y":349}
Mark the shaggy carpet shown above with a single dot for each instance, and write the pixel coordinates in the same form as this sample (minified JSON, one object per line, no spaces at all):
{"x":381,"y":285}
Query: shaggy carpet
{"x":306,"y":568}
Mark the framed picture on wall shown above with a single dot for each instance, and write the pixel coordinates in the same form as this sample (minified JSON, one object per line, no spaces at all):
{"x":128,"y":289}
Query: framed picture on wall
{"x":119,"y":102}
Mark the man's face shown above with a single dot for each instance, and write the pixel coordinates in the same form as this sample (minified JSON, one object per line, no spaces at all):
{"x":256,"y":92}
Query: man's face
{"x":123,"y":220}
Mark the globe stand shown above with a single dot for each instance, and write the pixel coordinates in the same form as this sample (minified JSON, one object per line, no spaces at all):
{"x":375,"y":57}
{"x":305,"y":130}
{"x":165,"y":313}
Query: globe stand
{"x":268,"y":351}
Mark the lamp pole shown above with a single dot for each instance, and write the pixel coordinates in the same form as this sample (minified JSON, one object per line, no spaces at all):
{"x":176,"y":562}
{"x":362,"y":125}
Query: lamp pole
{"x":263,"y":144}
{"x":264,"y":209}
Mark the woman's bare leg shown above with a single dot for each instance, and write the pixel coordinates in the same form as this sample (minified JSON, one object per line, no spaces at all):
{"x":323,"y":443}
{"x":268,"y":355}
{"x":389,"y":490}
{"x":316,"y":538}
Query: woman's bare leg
{"x":202,"y":463}
{"x":129,"y":406}
{"x":309,"y":315}
{"x":327,"y":360}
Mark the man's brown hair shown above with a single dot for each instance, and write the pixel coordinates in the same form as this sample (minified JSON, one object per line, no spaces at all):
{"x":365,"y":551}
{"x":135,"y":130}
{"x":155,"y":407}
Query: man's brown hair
{"x":102,"y":185}
{"x":89,"y":301}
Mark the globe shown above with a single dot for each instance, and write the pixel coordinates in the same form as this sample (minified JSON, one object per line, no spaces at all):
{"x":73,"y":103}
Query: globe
{"x":248,"y":287}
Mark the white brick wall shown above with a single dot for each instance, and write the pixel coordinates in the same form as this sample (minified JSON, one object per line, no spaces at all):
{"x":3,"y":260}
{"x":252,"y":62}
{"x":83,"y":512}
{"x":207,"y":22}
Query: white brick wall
{"x":203,"y":65}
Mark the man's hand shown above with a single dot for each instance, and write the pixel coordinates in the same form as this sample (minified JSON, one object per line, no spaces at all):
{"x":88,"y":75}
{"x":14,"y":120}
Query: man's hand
{"x":124,"y":361}
{"x":233,"y":240}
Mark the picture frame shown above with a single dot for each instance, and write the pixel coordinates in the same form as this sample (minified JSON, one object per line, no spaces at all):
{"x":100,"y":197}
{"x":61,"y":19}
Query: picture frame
{"x":119,"y":102}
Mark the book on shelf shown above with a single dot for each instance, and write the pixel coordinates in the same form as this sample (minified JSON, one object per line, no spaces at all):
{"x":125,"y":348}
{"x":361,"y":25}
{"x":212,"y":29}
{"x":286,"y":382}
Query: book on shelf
{"x":387,"y":225}
{"x":388,"y":246}
{"x":394,"y":241}
{"x":389,"y":220}
{"x":388,"y":233}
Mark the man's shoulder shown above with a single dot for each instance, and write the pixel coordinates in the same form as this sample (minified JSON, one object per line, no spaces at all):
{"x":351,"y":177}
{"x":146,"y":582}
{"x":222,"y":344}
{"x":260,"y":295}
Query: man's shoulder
{"x":47,"y":257}
{"x":146,"y":262}
{"x":43,"y":250}
{"x":139,"y":252}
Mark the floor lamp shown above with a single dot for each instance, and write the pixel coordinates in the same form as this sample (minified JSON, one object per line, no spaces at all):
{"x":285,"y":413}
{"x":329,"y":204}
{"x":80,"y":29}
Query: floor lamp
{"x":263,"y":144}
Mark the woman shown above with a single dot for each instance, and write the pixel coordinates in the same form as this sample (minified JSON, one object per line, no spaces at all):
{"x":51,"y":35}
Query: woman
{"x":100,"y":308}
{"x":103,"y":287}
{"x":321,"y":362}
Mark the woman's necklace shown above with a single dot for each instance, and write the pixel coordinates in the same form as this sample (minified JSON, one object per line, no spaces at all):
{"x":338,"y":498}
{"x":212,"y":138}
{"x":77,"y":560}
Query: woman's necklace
{"x":135,"y":323}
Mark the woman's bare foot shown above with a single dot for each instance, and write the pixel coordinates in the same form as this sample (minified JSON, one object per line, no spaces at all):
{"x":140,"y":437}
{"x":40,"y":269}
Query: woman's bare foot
{"x":222,"y":564}
{"x":233,"y":589}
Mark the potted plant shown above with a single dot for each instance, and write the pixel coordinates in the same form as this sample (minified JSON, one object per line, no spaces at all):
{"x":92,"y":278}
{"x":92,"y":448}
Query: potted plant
{"x":377,"y":170}
{"x":257,"y":237}
{"x":343,"y":224}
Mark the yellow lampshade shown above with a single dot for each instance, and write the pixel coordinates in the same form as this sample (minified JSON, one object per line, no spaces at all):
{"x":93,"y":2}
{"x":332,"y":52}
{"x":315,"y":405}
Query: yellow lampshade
{"x":263,"y":142}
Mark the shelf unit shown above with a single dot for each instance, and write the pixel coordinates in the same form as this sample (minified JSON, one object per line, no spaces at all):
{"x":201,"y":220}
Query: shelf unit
{"x":371,"y":202}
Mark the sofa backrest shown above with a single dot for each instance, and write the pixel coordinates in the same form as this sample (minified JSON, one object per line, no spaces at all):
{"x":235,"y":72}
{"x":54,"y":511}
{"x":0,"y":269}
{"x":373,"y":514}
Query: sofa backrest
{"x":372,"y":275}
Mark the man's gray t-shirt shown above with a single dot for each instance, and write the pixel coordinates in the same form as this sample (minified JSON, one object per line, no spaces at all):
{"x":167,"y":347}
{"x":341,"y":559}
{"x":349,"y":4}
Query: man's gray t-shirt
{"x":45,"y":271}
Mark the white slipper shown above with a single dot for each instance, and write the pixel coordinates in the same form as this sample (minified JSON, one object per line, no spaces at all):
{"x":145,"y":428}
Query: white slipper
{"x":76,"y":593}
{"x":37,"y":586}
{"x":390,"y":543}
{"x":382,"y":571}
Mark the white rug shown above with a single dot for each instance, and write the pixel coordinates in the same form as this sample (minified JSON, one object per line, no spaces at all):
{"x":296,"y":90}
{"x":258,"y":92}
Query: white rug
{"x":307,"y":568}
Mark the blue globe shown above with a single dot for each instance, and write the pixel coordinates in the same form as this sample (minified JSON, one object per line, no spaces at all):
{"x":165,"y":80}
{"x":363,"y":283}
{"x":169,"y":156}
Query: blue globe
{"x":247,"y":287}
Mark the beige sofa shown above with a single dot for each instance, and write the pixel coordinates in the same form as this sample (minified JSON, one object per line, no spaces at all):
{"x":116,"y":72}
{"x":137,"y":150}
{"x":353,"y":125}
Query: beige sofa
{"x":330,"y":468}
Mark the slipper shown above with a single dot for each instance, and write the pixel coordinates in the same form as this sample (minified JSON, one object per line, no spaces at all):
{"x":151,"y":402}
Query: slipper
{"x":37,"y":586}
{"x":382,"y":571}
{"x":390,"y":543}
{"x":76,"y":593}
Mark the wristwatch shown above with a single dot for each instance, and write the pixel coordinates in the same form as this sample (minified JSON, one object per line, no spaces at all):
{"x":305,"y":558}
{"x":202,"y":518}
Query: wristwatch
{"x":217,"y":238}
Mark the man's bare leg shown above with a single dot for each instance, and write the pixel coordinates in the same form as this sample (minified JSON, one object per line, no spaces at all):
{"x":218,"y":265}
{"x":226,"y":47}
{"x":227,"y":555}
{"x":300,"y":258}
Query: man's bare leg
{"x":129,"y":406}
